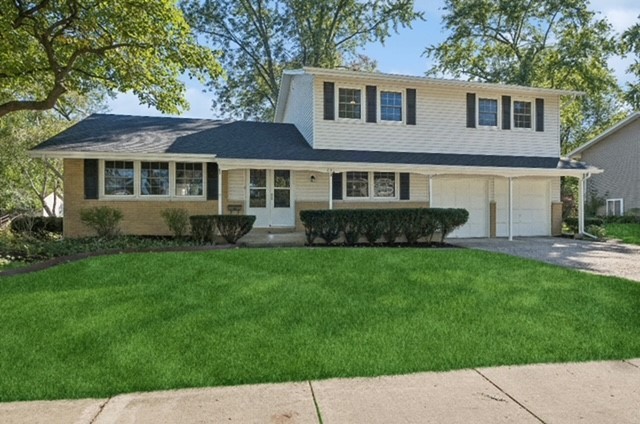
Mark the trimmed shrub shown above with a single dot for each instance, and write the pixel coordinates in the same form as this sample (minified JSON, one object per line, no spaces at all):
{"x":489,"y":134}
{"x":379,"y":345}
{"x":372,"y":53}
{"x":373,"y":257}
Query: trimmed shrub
{"x":104,"y":220}
{"x":233,"y":227}
{"x":28,"y":224}
{"x":572,"y":223}
{"x":202,"y":228}
{"x":375,"y":223}
{"x":177,"y":220}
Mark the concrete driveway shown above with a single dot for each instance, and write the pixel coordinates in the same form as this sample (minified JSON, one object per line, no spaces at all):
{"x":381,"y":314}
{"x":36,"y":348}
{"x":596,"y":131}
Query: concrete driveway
{"x":608,"y":258}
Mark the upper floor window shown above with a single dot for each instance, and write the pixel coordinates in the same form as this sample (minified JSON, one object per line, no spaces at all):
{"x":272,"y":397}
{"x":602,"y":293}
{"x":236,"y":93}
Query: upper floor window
{"x":118,"y":178}
{"x":521,"y":114}
{"x":488,"y":112}
{"x":349,"y":103}
{"x":189,"y":180}
{"x":154,"y":178}
{"x":390,"y":106}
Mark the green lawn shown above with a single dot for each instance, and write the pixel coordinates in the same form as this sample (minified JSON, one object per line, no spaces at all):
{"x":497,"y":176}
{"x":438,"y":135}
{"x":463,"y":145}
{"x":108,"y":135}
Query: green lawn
{"x":5,"y":266}
{"x":144,"y":322}
{"x":628,"y":233}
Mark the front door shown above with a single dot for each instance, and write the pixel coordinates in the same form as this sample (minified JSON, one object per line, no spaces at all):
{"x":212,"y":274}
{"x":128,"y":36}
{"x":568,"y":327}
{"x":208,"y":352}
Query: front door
{"x":270,"y":198}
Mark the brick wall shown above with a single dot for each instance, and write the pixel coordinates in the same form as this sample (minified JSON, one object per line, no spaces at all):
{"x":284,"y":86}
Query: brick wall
{"x":141,"y":217}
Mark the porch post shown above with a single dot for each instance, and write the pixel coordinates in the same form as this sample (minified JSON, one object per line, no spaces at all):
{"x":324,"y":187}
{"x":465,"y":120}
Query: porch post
{"x":330,"y":190}
{"x":581,"y":190}
{"x":510,"y":208}
{"x":220,"y":191}
{"x":430,"y":191}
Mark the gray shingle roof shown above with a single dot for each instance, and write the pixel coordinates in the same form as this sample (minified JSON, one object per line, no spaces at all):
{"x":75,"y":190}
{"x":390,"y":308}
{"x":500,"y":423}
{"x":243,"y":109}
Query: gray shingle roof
{"x":103,"y":133}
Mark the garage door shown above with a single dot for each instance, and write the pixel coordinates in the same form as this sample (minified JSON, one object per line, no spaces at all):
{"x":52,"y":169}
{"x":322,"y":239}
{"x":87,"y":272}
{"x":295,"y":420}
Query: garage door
{"x":531,"y":207}
{"x":466,"y":193}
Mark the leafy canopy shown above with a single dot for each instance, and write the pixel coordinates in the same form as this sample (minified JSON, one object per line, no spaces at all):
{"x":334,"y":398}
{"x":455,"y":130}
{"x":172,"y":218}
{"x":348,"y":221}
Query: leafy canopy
{"x":631,"y":44}
{"x":548,"y":43}
{"x":260,"y":38}
{"x":52,"y":47}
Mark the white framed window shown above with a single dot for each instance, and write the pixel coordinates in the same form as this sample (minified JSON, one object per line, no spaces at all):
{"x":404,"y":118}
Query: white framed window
{"x":615,"y":207}
{"x":152,"y":180}
{"x":118,"y":178}
{"x":350,"y":103}
{"x":522,"y":116}
{"x":391,"y":106}
{"x":371,"y":185}
{"x":189,"y":179}
{"x":487,"y":112}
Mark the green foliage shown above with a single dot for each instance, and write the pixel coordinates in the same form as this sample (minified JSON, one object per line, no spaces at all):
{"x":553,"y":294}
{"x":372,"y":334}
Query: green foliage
{"x":631,"y":45}
{"x":626,"y":232}
{"x":572,"y":223}
{"x":202,"y":228}
{"x":24,"y":248}
{"x":104,"y":220}
{"x":569,"y":195}
{"x":234,"y":227}
{"x":36,"y":224}
{"x":56,"y":47}
{"x":593,"y":203}
{"x":551,"y":43}
{"x":261,"y":38}
{"x":177,"y":220}
{"x":597,"y":230}
{"x":387,"y":223}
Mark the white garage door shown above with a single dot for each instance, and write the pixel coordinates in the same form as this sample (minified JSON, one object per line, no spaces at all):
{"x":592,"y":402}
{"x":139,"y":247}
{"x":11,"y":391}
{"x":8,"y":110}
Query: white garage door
{"x":531,"y":207}
{"x":466,"y":193}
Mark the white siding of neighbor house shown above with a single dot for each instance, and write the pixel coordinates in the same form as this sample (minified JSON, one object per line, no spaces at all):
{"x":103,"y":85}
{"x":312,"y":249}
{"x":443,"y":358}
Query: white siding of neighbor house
{"x":440,"y":123}
{"x":619,"y":156}
{"x":299,"y":108}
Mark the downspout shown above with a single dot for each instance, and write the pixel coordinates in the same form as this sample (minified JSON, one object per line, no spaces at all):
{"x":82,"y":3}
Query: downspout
{"x":220,"y":197}
{"x":583,"y":190}
{"x":330,"y":189}
{"x":510,"y":208}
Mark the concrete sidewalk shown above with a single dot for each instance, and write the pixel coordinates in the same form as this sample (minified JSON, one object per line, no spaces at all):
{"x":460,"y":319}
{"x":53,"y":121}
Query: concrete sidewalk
{"x":591,"y":392}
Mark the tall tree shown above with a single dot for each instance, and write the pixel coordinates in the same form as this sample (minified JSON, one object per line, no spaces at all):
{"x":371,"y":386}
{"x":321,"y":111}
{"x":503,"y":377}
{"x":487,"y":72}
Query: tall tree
{"x":546,"y":43}
{"x":260,"y":38}
{"x":52,"y":47}
{"x":26,"y":181}
{"x":631,"y":45}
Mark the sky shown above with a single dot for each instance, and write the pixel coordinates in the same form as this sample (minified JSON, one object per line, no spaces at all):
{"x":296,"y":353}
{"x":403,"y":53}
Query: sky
{"x":402,"y":53}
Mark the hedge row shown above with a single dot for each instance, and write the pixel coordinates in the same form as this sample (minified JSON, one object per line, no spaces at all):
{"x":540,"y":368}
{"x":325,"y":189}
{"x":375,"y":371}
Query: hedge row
{"x":36,"y":224}
{"x":572,"y":223}
{"x":374,"y":224}
{"x":231,"y":227}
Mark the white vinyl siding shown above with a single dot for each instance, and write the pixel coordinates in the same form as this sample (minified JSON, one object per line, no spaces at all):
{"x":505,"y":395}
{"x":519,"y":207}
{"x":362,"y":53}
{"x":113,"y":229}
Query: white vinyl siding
{"x":299,"y":110}
{"x":441,"y":126}
{"x":236,"y":185}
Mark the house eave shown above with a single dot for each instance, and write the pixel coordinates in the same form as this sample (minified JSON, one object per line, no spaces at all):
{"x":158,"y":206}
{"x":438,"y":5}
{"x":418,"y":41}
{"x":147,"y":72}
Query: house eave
{"x":61,"y":154}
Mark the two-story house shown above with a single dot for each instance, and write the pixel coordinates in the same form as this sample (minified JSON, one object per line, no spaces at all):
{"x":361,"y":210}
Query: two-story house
{"x":341,"y":139}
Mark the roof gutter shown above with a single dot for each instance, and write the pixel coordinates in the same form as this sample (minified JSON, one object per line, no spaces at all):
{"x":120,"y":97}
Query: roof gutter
{"x":57,"y":154}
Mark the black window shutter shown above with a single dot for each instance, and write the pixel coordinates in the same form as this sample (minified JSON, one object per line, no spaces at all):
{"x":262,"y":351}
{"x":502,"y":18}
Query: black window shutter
{"x":91,"y":178}
{"x":372,"y":102}
{"x":506,"y":112}
{"x":405,"y":185}
{"x":329,"y":101}
{"x":539,"y":114}
{"x":212,"y":181}
{"x":471,"y":110}
{"x":337,"y":186}
{"x":411,"y":106}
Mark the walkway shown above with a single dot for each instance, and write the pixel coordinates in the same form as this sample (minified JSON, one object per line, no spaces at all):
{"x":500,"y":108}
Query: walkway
{"x":591,"y":392}
{"x":610,"y":258}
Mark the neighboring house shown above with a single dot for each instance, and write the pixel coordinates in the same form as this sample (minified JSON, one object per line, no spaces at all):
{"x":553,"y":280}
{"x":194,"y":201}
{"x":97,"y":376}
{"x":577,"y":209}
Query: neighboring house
{"x":617,"y":151}
{"x":342,"y":139}
{"x":55,"y":203}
